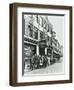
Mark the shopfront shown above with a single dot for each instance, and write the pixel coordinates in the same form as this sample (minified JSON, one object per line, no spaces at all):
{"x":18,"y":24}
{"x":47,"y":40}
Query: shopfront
{"x":29,"y":51}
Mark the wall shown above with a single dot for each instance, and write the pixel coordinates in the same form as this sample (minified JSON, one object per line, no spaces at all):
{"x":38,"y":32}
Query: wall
{"x":4,"y":46}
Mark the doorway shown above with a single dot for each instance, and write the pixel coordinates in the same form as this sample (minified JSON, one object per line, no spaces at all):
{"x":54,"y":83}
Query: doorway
{"x":42,"y":51}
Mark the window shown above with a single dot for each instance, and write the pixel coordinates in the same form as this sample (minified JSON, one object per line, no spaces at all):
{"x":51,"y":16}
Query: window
{"x":45,"y":24}
{"x":35,"y":33}
{"x":48,"y":28}
{"x":37,"y":19}
{"x":42,"y":22}
{"x":42,"y":35}
{"x":25,"y":27}
{"x":49,"y":40}
{"x":30,"y":31}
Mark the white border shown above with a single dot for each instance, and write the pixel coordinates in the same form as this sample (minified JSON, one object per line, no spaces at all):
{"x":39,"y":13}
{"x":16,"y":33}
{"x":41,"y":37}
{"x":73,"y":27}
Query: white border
{"x":19,"y":52}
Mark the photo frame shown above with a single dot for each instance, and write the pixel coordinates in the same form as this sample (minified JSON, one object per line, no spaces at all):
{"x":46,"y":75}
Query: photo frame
{"x":40,"y":44}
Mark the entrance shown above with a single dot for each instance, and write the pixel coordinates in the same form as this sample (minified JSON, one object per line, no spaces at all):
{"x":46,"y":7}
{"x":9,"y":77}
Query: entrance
{"x":42,"y":51}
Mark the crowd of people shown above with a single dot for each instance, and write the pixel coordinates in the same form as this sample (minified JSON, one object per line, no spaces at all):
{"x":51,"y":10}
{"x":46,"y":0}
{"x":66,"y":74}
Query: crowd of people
{"x":38,"y":61}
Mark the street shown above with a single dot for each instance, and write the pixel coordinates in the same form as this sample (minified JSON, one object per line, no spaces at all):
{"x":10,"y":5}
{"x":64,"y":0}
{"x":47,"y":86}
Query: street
{"x":57,"y":67}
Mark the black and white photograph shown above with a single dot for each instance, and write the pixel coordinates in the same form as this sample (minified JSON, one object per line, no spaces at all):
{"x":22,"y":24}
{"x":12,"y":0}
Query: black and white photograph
{"x":42,"y":44}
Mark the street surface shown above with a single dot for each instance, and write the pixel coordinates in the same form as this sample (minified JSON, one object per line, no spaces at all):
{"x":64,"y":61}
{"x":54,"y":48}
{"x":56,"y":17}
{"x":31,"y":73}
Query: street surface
{"x":57,"y":67}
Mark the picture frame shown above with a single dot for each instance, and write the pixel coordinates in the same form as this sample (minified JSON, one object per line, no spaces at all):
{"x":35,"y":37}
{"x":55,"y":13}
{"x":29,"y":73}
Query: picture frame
{"x":30,"y":41}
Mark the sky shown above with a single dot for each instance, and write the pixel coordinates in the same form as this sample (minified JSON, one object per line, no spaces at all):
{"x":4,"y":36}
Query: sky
{"x":58,"y":26}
